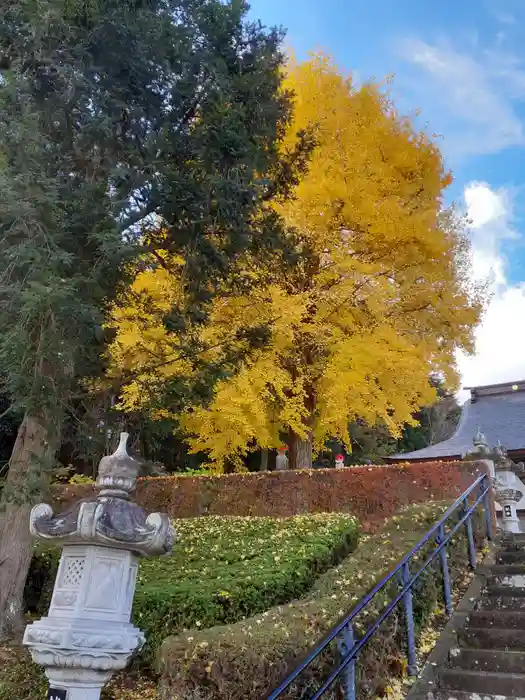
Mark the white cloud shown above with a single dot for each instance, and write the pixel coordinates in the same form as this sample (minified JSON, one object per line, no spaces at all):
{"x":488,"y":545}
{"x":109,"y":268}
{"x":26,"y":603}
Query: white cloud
{"x":506,"y":18}
{"x":490,"y":214}
{"x":500,"y":339}
{"x":470,"y":94}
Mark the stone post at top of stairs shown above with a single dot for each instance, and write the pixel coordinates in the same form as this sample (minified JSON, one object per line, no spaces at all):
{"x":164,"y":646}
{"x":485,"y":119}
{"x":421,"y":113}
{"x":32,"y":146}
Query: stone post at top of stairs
{"x":508,"y":488}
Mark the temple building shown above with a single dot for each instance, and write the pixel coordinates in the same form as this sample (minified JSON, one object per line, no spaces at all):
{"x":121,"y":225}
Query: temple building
{"x":498,"y":410}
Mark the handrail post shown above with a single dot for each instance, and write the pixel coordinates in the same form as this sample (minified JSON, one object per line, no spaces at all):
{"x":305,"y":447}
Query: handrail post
{"x":409,"y":621}
{"x":447,"y":590}
{"x":486,"y":503}
{"x":470,"y":538}
{"x":345,"y":643}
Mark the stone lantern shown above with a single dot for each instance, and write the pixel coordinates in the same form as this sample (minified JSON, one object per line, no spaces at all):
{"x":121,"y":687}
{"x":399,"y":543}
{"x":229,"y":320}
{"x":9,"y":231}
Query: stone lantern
{"x":87,"y":634}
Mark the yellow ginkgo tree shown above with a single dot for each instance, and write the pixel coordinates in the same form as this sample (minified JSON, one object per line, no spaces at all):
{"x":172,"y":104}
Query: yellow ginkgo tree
{"x":377,"y":296}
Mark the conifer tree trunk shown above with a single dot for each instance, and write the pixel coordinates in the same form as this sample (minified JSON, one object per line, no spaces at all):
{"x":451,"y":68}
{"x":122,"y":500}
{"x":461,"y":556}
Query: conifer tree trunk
{"x":23,"y":488}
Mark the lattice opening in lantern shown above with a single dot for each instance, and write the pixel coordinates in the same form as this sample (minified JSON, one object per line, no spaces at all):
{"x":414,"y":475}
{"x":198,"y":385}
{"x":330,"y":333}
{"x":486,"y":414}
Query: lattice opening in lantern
{"x":73,"y":570}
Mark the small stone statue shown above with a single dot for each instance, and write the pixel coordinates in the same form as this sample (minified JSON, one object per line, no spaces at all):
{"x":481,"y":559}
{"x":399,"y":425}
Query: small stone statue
{"x":480,"y":449}
{"x":281,"y":461}
{"x":480,"y":443}
{"x":339,"y":461}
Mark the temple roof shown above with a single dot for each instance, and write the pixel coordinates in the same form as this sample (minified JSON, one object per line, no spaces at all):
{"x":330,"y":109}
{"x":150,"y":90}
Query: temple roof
{"x":498,"y":410}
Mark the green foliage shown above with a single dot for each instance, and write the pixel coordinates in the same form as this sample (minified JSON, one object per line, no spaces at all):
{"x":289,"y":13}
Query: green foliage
{"x":246,"y":659}
{"x":80,"y":479}
{"x":222,"y":569}
{"x":39,"y":584}
{"x":370,"y":444}
{"x":110,"y":113}
{"x":436,"y":423}
{"x":9,"y":423}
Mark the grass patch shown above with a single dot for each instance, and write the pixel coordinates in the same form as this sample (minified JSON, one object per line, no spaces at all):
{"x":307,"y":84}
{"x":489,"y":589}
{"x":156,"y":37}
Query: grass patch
{"x":247,"y":659}
{"x":222,"y":570}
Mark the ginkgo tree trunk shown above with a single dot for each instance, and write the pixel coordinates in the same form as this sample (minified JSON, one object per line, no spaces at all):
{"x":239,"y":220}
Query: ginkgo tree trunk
{"x":301,"y":435}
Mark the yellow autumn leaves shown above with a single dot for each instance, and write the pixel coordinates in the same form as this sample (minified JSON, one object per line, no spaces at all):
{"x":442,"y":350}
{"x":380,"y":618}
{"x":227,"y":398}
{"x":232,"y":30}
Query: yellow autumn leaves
{"x":378,"y":298}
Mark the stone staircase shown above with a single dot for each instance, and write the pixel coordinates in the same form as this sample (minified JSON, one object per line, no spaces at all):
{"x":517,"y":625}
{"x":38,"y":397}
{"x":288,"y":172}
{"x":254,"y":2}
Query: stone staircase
{"x":488,"y":660}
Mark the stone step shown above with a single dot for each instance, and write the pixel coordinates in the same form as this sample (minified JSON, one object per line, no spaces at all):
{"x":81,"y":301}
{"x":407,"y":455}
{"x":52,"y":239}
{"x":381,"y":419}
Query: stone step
{"x":493,"y":660}
{"x":496,"y":591}
{"x":507,"y":684}
{"x":508,"y":581}
{"x":513,"y":537}
{"x":504,"y":569}
{"x":501,"y":619}
{"x":511,"y":546}
{"x":491,"y":638}
{"x":462,"y":695}
{"x":513,"y":557}
{"x":506,"y":575}
{"x":502,"y":602}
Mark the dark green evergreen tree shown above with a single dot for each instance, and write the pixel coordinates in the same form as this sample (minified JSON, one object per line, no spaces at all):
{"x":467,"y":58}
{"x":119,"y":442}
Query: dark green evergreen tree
{"x":118,"y":119}
{"x":437,"y":422}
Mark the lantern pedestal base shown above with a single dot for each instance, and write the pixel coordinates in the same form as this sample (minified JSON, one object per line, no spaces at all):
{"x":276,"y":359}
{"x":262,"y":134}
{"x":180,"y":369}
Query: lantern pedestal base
{"x":76,"y":683}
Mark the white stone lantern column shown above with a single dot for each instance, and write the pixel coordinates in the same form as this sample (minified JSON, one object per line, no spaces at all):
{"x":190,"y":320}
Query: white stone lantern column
{"x":87,"y":634}
{"x":507,"y":489}
{"x":507,"y":498}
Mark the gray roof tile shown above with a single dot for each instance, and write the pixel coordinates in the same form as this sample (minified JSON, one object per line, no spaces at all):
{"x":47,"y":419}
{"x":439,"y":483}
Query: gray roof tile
{"x":500,"y":417}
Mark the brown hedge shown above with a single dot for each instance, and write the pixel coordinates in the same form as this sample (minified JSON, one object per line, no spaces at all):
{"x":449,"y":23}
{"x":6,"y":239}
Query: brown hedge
{"x":370,"y":493}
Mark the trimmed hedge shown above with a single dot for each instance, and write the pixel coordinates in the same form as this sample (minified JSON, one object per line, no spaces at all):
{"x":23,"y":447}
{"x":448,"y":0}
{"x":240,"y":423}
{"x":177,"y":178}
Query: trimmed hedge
{"x":370,"y":493}
{"x":222,"y":569}
{"x":248,"y":659}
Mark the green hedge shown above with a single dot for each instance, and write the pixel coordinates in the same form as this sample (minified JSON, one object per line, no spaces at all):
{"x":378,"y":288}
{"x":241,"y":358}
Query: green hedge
{"x":247,"y":659}
{"x":222,"y":570}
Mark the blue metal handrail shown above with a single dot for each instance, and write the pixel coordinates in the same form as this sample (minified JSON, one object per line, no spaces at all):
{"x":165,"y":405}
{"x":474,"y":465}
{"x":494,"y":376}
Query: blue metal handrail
{"x":343,"y":631}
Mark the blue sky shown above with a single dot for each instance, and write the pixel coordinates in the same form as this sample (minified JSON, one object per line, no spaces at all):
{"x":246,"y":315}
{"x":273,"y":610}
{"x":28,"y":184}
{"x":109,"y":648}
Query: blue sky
{"x":462,"y":64}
